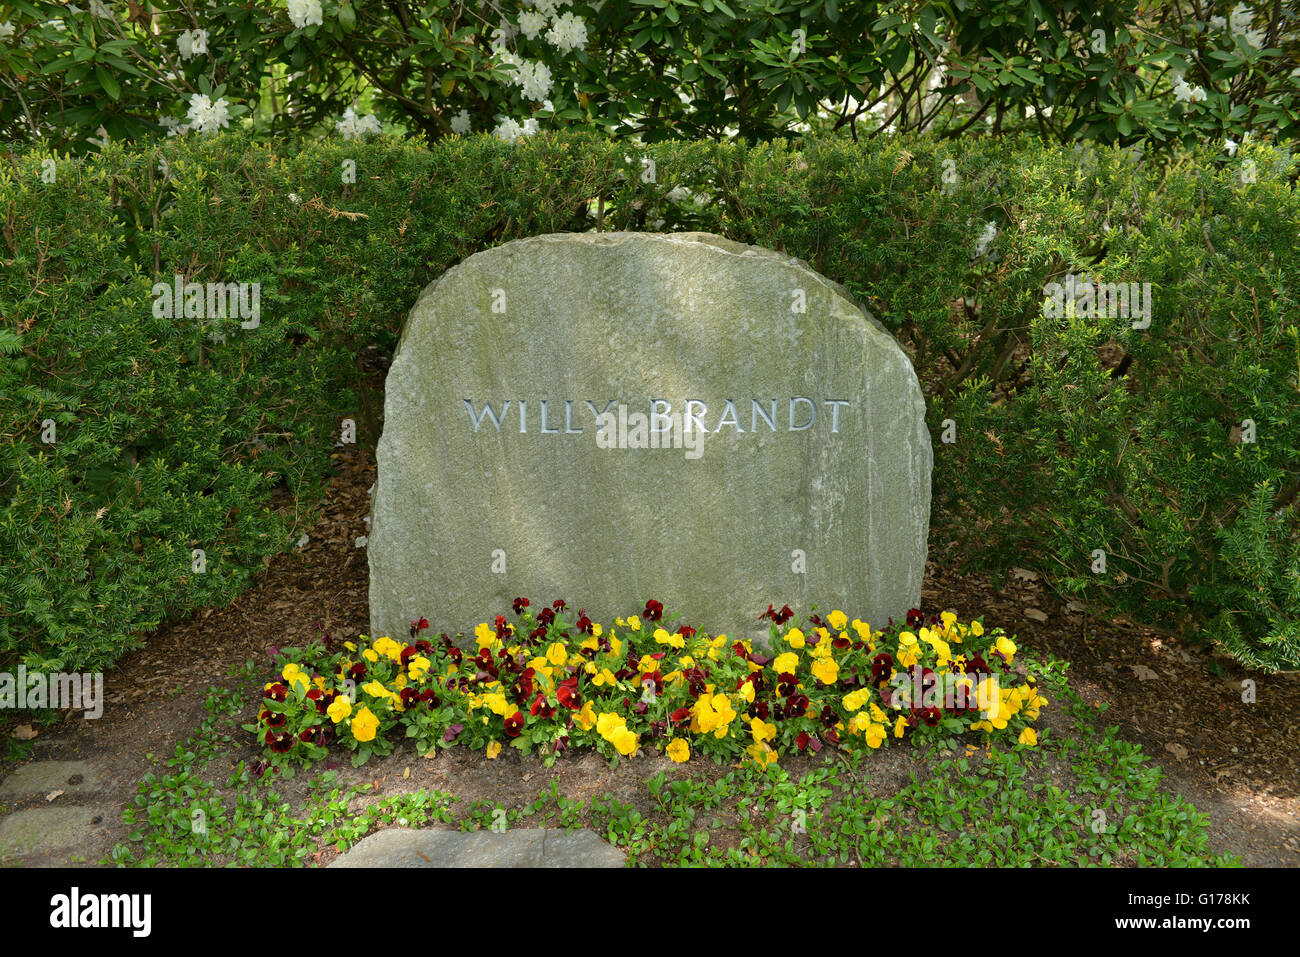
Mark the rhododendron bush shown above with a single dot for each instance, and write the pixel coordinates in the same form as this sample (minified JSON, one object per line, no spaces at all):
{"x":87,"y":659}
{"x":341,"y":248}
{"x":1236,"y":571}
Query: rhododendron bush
{"x":551,"y":681}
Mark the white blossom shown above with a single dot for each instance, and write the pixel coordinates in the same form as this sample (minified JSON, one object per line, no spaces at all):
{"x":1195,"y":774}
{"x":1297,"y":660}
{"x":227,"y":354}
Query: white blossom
{"x":6,"y":30}
{"x":362,"y":541}
{"x":206,"y":116}
{"x":508,"y":130}
{"x":191,"y":43}
{"x":534,"y":79}
{"x":568,"y":32}
{"x":1184,"y":92}
{"x":353,"y":127}
{"x":1231,"y":146}
{"x":295,"y":198}
{"x":531,"y":24}
{"x":305,"y":12}
{"x":303,"y":541}
{"x":173,"y":126}
{"x":460,"y":122}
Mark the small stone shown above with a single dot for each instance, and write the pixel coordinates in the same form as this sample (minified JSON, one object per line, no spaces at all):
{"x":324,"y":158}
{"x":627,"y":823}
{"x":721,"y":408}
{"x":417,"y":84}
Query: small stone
{"x":520,"y":847}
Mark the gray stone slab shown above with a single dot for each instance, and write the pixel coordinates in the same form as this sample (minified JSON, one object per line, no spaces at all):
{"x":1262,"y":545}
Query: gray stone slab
{"x":42,"y":830}
{"x":812,"y":479}
{"x":43,"y":777}
{"x":520,"y":847}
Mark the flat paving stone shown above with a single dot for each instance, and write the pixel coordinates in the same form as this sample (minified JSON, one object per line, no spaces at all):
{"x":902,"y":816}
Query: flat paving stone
{"x":41,"y":830}
{"x":42,"y":777}
{"x":521,"y":847}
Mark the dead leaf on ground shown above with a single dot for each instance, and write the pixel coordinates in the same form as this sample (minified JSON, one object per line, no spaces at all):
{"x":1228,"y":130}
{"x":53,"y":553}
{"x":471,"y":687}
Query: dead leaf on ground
{"x":24,"y":732}
{"x":1075,"y":606}
{"x":1024,"y":574}
{"x":1177,"y":750}
{"x":1035,"y":614}
{"x":52,"y":795}
{"x":1143,"y":672}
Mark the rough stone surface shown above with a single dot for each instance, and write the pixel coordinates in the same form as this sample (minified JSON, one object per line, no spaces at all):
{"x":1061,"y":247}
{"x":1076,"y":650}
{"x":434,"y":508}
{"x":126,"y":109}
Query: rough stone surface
{"x":42,"y":830}
{"x":630,"y":318}
{"x":521,"y":847}
{"x":45,"y":777}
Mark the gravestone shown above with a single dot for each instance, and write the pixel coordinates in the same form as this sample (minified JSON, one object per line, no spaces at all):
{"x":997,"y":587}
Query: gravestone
{"x":613,"y":417}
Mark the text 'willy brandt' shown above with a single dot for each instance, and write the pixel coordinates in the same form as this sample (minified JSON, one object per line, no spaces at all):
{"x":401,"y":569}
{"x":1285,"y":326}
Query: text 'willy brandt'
{"x":567,"y":416}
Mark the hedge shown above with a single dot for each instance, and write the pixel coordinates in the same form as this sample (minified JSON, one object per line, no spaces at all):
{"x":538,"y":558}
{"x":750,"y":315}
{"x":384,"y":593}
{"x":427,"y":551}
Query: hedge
{"x":1075,"y":440}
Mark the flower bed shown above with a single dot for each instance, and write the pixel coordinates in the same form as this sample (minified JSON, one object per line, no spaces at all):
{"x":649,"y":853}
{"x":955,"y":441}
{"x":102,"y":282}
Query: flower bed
{"x":547,"y":684}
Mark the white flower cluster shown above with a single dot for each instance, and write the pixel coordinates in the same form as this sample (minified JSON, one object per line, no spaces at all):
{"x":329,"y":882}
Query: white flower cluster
{"x":304,"y":13}
{"x":6,"y":30}
{"x":353,"y":127}
{"x":205,"y":116}
{"x":568,"y":32}
{"x":1238,"y":24}
{"x":192,"y":43}
{"x":509,"y":131}
{"x":1185,"y":92}
{"x":460,"y":122}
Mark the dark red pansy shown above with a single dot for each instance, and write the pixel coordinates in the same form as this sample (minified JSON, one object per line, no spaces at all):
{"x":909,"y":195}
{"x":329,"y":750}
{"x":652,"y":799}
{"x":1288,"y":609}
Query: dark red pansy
{"x":832,"y":736}
{"x":567,"y":694}
{"x":409,"y":652}
{"x":841,"y":641}
{"x":780,"y":617}
{"x":277,"y":692}
{"x":802,"y":740}
{"x":520,"y":604}
{"x":829,"y":717}
{"x":558,"y":604}
{"x":786,"y":684}
{"x":654,"y":610}
{"x":424,"y":647}
{"x":314,"y":694}
{"x":978,"y":666}
{"x":760,"y":660}
{"x":816,"y":620}
{"x":585,"y":624}
{"x":657,"y":677}
{"x":930,"y":716}
{"x":431,"y":699}
{"x":306,"y":734}
{"x":816,"y":743}
{"x":546,"y":616}
{"x":274,"y":720}
{"x":914,"y":618}
{"x":680,"y":716}
{"x":280,"y":741}
{"x":357,"y":672}
{"x":881,"y":666}
{"x":686,"y":631}
{"x":409,"y":697}
{"x":515,"y":724}
{"x":541,"y":708}
{"x":761,"y":709}
{"x":739,"y":649}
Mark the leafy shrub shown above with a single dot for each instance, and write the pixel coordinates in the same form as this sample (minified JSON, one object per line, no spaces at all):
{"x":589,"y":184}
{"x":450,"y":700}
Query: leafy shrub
{"x":1073,"y":434}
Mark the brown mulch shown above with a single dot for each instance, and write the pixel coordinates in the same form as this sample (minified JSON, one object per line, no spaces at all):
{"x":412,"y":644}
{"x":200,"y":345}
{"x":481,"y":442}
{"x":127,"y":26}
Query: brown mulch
{"x":1236,"y":762}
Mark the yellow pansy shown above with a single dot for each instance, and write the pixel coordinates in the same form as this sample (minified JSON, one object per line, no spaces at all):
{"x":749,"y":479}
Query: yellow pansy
{"x":364,"y":725}
{"x":746,"y":691}
{"x":796,"y":638}
{"x":838,"y":620}
{"x":484,"y":635}
{"x":370,"y":655}
{"x":376,"y":689}
{"x":761,"y":730}
{"x":606,"y":677}
{"x":493,"y":749}
{"x":634,"y":623}
{"x":647,"y":664}
{"x":663,"y":638}
{"x":586,"y":718}
{"x":608,"y":722}
{"x":900,"y":726}
{"x":826,"y":670}
{"x":557,"y":654}
{"x":624,"y":741}
{"x":762,"y":754}
{"x":1029,"y":737}
{"x":856,"y":699}
{"x":976,"y":629}
{"x":678,"y":750}
{"x":948,"y":619}
{"x":350,"y":645}
{"x":596,"y":629}
{"x":590,"y":643}
{"x":786,"y":664}
{"x":389,"y":648}
{"x":1006,"y":646}
{"x":615,"y":647}
{"x":339,"y":708}
{"x":418,"y":667}
{"x":863,"y":629}
{"x":875,"y":734}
